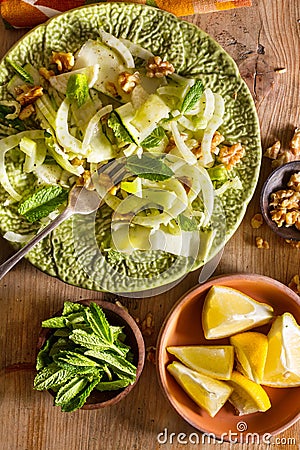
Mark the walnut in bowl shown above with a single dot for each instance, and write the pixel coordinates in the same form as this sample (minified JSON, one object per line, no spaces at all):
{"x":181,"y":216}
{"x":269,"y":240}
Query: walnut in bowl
{"x":280,"y":201}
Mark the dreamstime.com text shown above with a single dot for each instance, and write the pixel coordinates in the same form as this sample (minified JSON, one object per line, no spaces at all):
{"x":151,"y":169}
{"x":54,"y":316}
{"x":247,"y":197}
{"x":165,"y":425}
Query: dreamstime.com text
{"x":240,"y":435}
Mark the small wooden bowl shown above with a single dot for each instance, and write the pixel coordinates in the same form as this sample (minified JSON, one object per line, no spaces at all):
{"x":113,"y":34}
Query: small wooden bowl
{"x":277,"y":180}
{"x":119,"y":317}
{"x":183,"y":326}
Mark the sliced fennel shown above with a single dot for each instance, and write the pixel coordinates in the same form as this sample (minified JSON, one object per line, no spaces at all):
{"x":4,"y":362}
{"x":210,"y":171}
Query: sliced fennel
{"x":64,"y":138}
{"x":7,"y":144}
{"x":182,"y":148}
{"x":61,"y":158}
{"x":214,"y":123}
{"x":235,"y":183}
{"x":118,"y":45}
{"x":17,"y":237}
{"x":37,"y":155}
{"x":136,"y":50}
{"x":13,"y":104}
{"x":127,"y":238}
{"x":91,"y":128}
{"x":60,"y":82}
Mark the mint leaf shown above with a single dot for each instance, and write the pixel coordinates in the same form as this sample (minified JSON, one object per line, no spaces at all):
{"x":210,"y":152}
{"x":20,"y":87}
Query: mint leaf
{"x":123,"y":348}
{"x":65,"y":359}
{"x":60,"y":345}
{"x":154,"y":139}
{"x":70,"y":389}
{"x":42,"y":202}
{"x":99,"y":324}
{"x":79,"y":400}
{"x":116,"y":331}
{"x":186,"y":223}
{"x":43,"y":358}
{"x":113,"y":361}
{"x":54,"y":322}
{"x":51,"y":377}
{"x":20,"y":71}
{"x":62,"y":332}
{"x":113,"y":385}
{"x":149,"y":167}
{"x":71,"y":307}
{"x":118,"y":128}
{"x":192,"y":97}
{"x":78,"y":89}
{"x":93,"y":342}
{"x":75,"y":318}
{"x":88,"y":340}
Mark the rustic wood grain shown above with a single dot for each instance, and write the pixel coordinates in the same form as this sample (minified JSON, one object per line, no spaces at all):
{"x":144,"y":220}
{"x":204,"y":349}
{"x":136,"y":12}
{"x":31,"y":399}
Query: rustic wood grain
{"x":260,"y":39}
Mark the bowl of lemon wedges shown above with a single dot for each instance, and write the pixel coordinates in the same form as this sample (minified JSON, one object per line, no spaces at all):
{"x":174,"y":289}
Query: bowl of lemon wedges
{"x":228,"y":357}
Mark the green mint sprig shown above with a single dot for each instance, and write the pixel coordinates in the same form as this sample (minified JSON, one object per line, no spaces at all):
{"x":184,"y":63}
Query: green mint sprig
{"x":149,"y":167}
{"x":90,"y":355}
{"x":192,"y":97}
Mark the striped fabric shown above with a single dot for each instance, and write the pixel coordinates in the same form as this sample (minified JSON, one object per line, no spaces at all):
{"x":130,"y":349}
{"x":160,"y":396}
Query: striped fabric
{"x":29,"y":13}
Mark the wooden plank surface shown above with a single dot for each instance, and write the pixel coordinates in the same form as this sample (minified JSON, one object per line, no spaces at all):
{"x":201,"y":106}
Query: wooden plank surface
{"x":260,"y":39}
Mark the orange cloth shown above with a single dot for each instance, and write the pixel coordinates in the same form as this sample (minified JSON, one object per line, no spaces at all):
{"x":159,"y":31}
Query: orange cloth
{"x":28,"y":13}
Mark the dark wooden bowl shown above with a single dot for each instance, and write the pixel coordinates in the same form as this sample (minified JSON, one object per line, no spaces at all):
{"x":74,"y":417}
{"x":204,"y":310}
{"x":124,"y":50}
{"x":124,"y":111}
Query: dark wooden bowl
{"x":277,"y":180}
{"x":119,"y":317}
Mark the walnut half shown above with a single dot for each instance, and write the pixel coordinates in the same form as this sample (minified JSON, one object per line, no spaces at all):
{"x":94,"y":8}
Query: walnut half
{"x":294,"y":182}
{"x":64,"y":61}
{"x":128,"y":81}
{"x":273,"y":151}
{"x":27,"y":95}
{"x":157,"y":67}
{"x":257,"y":221}
{"x":230,"y":156}
{"x":261,"y":243}
{"x":295,"y":143}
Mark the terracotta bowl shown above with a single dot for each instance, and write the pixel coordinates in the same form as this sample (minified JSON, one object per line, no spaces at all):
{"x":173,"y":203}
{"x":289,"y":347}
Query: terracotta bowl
{"x":119,"y":317}
{"x":277,"y":180}
{"x":183,"y":327}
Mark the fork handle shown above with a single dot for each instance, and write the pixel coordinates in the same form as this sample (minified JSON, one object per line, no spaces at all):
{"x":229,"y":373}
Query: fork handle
{"x":14,"y":259}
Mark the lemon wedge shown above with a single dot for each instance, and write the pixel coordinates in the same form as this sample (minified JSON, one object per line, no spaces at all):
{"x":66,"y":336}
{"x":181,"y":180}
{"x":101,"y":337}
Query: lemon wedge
{"x":282,"y":367}
{"x":247,"y":397}
{"x":215,"y":361}
{"x":251,"y":350}
{"x":208,"y":393}
{"x":227,"y":311}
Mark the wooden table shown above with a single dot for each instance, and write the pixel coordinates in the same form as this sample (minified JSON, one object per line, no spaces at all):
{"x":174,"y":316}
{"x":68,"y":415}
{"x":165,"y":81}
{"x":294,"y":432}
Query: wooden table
{"x":260,"y":39}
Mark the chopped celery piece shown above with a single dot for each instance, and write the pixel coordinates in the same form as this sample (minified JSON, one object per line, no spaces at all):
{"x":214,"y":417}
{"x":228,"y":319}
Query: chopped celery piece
{"x":218,"y":173}
{"x":133,"y":187}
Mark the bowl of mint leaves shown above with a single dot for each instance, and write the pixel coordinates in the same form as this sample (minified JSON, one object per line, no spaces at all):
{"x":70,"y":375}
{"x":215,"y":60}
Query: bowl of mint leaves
{"x":90,"y":355}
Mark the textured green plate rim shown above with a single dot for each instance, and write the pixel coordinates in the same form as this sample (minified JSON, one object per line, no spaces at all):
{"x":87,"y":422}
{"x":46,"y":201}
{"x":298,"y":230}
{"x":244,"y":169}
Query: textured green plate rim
{"x":193,"y":53}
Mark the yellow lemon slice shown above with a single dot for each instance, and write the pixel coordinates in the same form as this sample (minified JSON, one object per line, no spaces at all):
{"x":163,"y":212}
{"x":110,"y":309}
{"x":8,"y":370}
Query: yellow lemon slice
{"x":247,"y":396}
{"x":251,"y":350}
{"x":227,"y":311}
{"x":282,"y":367}
{"x":215,"y":361}
{"x":208,"y":393}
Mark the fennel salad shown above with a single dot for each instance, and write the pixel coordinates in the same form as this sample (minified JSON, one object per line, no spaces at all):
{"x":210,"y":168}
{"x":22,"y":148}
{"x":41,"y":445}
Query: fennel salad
{"x":115,"y":100}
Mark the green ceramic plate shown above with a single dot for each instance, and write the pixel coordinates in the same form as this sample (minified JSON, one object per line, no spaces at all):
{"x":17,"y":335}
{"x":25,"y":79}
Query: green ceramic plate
{"x":194,"y":54}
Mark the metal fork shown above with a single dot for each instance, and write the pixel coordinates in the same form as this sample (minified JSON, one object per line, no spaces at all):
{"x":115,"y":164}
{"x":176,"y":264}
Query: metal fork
{"x":80,"y":201}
